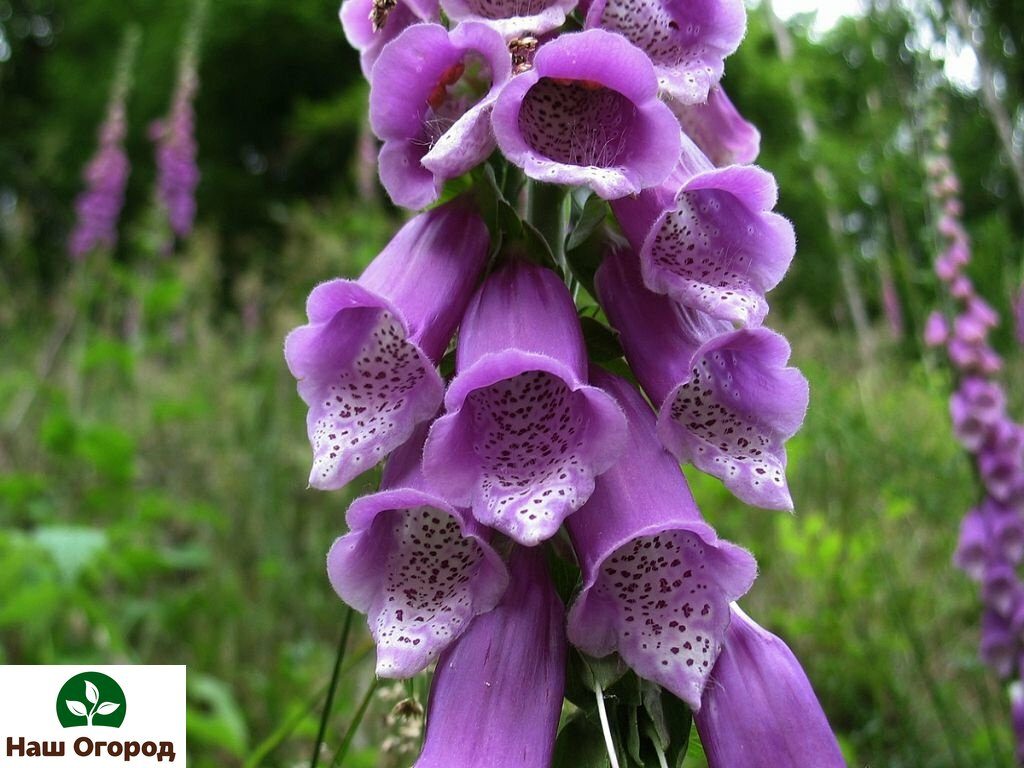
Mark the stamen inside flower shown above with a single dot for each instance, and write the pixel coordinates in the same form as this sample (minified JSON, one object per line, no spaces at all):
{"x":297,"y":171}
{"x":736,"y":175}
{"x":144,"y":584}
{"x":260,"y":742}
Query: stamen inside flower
{"x":428,"y":570}
{"x":669,"y":609}
{"x":577,"y":122}
{"x":706,"y":406}
{"x":458,"y":88}
{"x":362,"y":405}
{"x":529,"y":433}
{"x":503,"y":9}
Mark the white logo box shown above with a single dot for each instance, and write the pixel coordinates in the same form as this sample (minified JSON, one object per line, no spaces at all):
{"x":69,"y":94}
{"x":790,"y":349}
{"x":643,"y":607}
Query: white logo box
{"x":154,"y":715}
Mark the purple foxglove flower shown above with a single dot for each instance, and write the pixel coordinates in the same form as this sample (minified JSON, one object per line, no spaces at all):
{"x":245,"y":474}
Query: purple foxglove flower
{"x":718,"y":129}
{"x":727,"y":400}
{"x":999,"y":644}
{"x":714,"y":245}
{"x":524,"y":435}
{"x":177,"y":174}
{"x":972,"y":549}
{"x":1017,"y":718}
{"x":975,"y":408}
{"x":657,"y":580}
{"x":961,"y":288}
{"x":366,"y":360}
{"x":588,"y":113}
{"x":430,"y":103}
{"x":1007,"y":531}
{"x":369,"y":25}
{"x":936,"y":330}
{"x":759,"y":708}
{"x":497,"y":692}
{"x":418,"y":567}
{"x":981,"y":312}
{"x":512,"y":17}
{"x":1001,"y":459}
{"x":1000,"y":588}
{"x":687,"y":41}
{"x":106,"y":176}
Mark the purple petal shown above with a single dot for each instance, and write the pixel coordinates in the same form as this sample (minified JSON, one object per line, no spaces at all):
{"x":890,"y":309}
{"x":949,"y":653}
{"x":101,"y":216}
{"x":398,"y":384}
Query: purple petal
{"x":728,"y":401}
{"x":366,"y":360}
{"x":719,"y":249}
{"x":657,"y":581}
{"x":587,"y":113}
{"x":512,"y":17}
{"x":360,"y":32}
{"x":430,"y":100}
{"x":497,"y":693}
{"x":759,"y":709}
{"x":419,"y":568}
{"x":973,"y":545}
{"x":688,"y":40}
{"x":999,"y":646}
{"x":524,"y":436}
{"x":718,"y":129}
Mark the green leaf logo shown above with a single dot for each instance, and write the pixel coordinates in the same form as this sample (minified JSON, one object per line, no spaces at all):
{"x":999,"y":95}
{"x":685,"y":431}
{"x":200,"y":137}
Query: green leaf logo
{"x":91,"y":699}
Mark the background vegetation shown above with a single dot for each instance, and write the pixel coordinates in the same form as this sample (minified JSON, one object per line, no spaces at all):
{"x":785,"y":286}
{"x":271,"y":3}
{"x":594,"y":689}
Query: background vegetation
{"x":152,"y":450}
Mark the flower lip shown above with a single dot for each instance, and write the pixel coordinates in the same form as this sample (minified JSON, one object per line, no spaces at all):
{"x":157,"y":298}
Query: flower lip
{"x":687,"y":41}
{"x":720,"y":248}
{"x":587,"y":113}
{"x":512,"y":18}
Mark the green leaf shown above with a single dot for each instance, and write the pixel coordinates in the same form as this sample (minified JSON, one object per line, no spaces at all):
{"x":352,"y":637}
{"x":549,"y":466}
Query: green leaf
{"x":590,"y":218}
{"x":71,"y":547}
{"x":580,"y":743}
{"x":602,"y":343}
{"x":214,"y":717}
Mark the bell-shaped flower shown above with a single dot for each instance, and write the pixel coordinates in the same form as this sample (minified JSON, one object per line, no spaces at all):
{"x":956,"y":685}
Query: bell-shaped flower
{"x":497,"y":693}
{"x":975,"y":409}
{"x":714,"y":243}
{"x":366,"y":360}
{"x":657,"y":580}
{"x":688,"y":40}
{"x":418,"y":567}
{"x":936,"y":330}
{"x":1000,"y":587}
{"x":1001,"y":460}
{"x":973,"y":545}
{"x":524,"y":435}
{"x":999,"y":646}
{"x":369,"y":25}
{"x":1007,"y":528}
{"x":430,"y":103}
{"x":727,"y":400}
{"x":719,"y":129}
{"x":759,"y":708}
{"x":587,"y":113}
{"x":511,"y":17}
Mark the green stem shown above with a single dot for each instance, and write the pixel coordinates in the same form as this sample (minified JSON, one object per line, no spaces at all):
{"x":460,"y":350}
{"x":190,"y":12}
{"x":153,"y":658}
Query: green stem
{"x":331,"y":689}
{"x":346,"y":742}
{"x":609,"y":744}
{"x":547,"y":209}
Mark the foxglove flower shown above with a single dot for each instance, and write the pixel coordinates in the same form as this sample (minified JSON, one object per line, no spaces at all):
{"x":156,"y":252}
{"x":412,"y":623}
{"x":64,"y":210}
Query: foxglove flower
{"x":497,"y":692}
{"x":430,"y":103}
{"x":418,"y":567}
{"x":588,"y":114}
{"x":177,"y":174}
{"x":713,"y":243}
{"x":936,"y":330}
{"x":369,"y":25}
{"x":366,"y":360}
{"x":511,"y":17}
{"x":727,"y":401}
{"x":524,"y":436}
{"x":719,"y":129}
{"x":972,"y":549}
{"x":657,"y":581}
{"x":975,"y":408}
{"x":999,"y":645}
{"x":759,"y":708}
{"x":688,"y":40}
{"x":99,"y":205}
